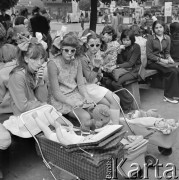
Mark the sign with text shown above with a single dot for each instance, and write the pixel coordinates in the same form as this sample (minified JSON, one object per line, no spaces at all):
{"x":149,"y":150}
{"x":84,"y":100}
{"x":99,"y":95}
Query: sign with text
{"x":168,"y":9}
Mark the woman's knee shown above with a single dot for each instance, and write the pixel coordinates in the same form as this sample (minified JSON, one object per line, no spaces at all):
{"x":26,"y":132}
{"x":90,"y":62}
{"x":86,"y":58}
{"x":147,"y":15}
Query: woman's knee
{"x":105,"y":102}
{"x":112,"y":97}
{"x":83,"y":115}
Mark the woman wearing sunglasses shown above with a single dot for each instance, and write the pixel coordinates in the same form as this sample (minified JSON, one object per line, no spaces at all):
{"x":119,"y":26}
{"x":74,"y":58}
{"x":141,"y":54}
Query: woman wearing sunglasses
{"x":109,"y":47}
{"x":66,"y":83}
{"x":91,"y":65}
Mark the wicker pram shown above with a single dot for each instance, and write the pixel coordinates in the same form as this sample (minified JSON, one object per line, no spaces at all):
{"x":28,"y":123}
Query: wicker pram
{"x":87,"y":161}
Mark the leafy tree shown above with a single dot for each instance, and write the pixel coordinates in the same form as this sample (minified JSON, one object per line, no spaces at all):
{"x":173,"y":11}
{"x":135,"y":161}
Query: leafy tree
{"x":7,"y":4}
{"x":85,"y":5}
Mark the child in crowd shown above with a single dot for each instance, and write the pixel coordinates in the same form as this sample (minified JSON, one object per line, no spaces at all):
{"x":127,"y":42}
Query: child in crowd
{"x":66,"y":83}
{"x":26,"y":80}
{"x":91,"y":65}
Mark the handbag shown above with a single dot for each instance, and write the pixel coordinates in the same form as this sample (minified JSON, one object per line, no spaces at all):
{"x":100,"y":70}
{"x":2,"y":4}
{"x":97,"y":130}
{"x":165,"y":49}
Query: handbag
{"x":116,"y":73}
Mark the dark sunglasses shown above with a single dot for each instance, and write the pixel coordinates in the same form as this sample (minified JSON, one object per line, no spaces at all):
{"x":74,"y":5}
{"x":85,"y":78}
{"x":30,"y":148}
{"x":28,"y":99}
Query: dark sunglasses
{"x":70,"y":50}
{"x":92,"y":45}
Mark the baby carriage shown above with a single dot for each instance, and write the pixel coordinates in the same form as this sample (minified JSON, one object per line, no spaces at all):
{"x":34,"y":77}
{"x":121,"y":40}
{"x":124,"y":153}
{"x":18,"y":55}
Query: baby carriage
{"x":164,"y":142}
{"x":89,"y":160}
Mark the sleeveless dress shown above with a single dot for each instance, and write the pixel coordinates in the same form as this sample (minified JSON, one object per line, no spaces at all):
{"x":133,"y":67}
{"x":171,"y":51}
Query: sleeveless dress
{"x":67,"y":78}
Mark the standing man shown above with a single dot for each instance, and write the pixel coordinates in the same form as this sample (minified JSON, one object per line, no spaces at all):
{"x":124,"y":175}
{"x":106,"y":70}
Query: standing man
{"x":39,"y":23}
{"x":114,"y":22}
{"x":106,"y":19}
{"x":21,"y":17}
{"x":82,"y":20}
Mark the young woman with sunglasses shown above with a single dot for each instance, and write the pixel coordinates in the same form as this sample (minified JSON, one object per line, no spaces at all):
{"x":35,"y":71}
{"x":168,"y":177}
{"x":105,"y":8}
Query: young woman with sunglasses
{"x":159,"y":58}
{"x":91,"y":65}
{"x":66,"y":83}
{"x":109,"y":47}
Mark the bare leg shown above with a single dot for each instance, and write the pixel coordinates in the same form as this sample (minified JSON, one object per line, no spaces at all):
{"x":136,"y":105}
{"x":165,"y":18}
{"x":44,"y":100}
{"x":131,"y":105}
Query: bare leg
{"x":82,"y":114}
{"x":112,"y":101}
{"x":46,"y":130}
{"x":60,"y":137}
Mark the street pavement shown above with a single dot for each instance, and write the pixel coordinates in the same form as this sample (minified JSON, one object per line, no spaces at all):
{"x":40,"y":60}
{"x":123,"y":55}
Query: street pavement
{"x":26,"y":165}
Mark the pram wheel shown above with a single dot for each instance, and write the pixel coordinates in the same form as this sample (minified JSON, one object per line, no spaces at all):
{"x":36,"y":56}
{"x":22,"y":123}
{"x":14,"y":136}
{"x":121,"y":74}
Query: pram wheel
{"x":165,"y":151}
{"x":150,"y":160}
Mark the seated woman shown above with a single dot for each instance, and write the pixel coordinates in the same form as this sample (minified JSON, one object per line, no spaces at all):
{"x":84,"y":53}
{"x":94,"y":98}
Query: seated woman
{"x":129,"y":58}
{"x":158,"y":56}
{"x":110,"y":48}
{"x":26,"y":80}
{"x":66,"y":83}
{"x":8,"y":60}
{"x":91,"y":65}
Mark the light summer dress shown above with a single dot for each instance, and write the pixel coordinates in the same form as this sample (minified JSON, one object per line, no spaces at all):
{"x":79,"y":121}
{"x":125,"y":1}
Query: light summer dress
{"x":67,"y":78}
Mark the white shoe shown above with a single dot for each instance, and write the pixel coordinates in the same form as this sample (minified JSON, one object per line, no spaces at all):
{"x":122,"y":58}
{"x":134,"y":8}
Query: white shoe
{"x":170,"y":100}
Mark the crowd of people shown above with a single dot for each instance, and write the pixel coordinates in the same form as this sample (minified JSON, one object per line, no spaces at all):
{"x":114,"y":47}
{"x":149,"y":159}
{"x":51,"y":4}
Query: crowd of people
{"x":74,"y":73}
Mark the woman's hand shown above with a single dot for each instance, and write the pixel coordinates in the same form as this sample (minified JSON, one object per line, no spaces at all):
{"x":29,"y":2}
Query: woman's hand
{"x":74,"y":104}
{"x":97,"y":62}
{"x":40,"y":74}
{"x":165,"y":61}
{"x":170,"y":60}
{"x":88,"y":101}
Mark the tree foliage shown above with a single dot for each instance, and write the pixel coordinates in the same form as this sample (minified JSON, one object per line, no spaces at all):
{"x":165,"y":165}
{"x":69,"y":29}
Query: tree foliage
{"x":7,"y":4}
{"x":85,"y":5}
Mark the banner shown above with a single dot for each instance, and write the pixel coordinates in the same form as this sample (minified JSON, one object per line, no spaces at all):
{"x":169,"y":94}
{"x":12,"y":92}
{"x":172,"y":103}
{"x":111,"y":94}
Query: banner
{"x":168,"y":9}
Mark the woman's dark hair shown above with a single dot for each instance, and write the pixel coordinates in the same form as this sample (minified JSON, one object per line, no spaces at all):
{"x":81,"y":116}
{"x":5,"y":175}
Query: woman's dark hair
{"x":128,"y":33}
{"x":110,"y":30}
{"x":155,"y":23}
{"x":136,"y":30}
{"x":174,"y":28}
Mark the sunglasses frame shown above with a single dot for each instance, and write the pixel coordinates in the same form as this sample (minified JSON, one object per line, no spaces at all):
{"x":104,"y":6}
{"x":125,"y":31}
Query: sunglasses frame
{"x":92,"y":45}
{"x":72,"y":51}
